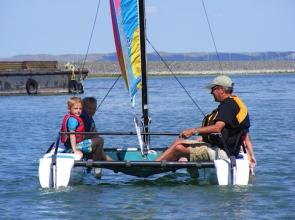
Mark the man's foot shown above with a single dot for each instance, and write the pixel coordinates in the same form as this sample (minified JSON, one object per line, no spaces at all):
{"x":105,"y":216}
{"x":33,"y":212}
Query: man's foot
{"x":97,"y":173}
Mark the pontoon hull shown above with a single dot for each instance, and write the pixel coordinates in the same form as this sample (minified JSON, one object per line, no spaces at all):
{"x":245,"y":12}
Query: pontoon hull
{"x":130,"y":161}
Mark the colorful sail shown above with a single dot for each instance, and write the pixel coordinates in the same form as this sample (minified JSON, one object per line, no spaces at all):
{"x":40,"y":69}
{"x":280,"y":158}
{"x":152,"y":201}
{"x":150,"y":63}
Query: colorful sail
{"x":125,"y":19}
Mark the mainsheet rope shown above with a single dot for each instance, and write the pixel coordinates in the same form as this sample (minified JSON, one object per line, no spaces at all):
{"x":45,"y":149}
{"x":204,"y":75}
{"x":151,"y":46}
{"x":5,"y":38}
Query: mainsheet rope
{"x":212,"y":36}
{"x":135,"y":119}
{"x":216,"y":51}
{"x":89,"y":42}
{"x":110,"y":89}
{"x":173,"y":74}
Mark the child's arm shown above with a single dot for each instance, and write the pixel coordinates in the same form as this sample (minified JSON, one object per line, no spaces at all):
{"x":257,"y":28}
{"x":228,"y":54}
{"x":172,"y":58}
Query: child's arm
{"x":73,"y":144}
{"x":72,"y":124}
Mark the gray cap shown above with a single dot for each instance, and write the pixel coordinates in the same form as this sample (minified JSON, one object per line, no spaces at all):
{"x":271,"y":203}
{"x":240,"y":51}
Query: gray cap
{"x":222,"y":80}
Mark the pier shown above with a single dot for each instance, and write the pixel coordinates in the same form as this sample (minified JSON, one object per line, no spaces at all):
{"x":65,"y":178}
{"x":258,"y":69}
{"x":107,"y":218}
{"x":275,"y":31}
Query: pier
{"x":39,"y":77}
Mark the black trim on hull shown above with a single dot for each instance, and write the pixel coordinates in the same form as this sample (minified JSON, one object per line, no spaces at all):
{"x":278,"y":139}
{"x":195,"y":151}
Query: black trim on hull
{"x":143,"y":168}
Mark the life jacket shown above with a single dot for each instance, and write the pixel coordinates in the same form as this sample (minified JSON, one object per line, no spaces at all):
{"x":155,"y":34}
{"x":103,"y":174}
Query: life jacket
{"x":209,"y":120}
{"x":242,"y":114}
{"x":64,"y":128}
{"x":89,"y":123}
{"x":240,"y":117}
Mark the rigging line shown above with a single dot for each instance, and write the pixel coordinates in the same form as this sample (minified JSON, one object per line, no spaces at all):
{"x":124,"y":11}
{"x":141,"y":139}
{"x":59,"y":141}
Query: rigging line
{"x":108,"y":92}
{"x":212,"y":36}
{"x":90,"y":39}
{"x":176,"y":77}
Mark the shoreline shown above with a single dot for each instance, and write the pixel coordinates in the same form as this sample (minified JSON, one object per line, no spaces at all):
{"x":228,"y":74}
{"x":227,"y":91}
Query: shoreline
{"x":109,"y":69}
{"x":203,"y":73}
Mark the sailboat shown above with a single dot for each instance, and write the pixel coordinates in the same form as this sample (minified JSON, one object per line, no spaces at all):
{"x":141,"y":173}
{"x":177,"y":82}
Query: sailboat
{"x":55,"y":168}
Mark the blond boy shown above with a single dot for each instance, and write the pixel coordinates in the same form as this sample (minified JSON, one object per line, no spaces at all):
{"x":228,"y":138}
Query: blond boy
{"x":77,"y":143}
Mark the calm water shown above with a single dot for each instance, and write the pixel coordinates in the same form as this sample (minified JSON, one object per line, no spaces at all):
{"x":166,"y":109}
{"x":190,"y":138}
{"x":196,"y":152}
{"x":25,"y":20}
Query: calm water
{"x":30,"y":124}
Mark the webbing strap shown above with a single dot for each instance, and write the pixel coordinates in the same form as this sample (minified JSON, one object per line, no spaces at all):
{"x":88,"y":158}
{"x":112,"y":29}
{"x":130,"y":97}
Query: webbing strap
{"x":137,"y":129}
{"x":53,"y":167}
{"x":233,"y":162}
{"x":216,"y":153}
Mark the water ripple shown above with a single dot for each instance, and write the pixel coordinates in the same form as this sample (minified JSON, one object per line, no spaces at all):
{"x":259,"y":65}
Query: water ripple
{"x":31,"y":124}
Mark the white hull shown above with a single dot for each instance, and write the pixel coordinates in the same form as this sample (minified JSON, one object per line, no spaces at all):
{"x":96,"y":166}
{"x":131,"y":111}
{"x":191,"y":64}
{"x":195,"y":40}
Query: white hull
{"x":56,"y":175}
{"x":239,"y":175}
{"x":222,"y":172}
{"x":60,"y":174}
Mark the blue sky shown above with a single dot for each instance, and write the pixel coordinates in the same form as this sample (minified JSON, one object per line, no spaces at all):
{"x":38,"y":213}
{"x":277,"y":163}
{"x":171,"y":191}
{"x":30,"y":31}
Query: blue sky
{"x":64,"y":26}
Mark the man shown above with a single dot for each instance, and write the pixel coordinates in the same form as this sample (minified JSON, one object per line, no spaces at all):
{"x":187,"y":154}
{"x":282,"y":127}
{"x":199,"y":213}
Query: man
{"x":230,"y":119}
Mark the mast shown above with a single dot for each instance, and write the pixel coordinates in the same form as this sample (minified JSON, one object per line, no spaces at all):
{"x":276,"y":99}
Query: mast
{"x":144,"y":99}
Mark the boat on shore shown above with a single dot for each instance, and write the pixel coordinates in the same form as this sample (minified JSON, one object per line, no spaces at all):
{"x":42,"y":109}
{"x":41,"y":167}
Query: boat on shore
{"x":39,"y":77}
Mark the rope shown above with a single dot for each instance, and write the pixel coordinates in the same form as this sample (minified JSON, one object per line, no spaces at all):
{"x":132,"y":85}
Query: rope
{"x":90,"y":39}
{"x":108,"y":92}
{"x":212,"y":37}
{"x":195,"y":103}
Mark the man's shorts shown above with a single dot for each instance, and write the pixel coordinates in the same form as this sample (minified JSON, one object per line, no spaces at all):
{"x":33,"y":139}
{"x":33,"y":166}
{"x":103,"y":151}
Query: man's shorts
{"x":84,"y":146}
{"x":202,"y":151}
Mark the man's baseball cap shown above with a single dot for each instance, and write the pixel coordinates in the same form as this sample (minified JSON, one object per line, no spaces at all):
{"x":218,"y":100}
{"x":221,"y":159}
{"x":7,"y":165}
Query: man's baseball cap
{"x":222,"y":80}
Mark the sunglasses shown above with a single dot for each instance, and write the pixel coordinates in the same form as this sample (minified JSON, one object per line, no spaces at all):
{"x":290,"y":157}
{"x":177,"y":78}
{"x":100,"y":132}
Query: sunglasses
{"x":214,"y":87}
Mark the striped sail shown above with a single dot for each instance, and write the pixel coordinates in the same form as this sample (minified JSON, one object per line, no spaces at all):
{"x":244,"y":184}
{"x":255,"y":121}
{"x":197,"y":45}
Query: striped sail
{"x":125,"y":19}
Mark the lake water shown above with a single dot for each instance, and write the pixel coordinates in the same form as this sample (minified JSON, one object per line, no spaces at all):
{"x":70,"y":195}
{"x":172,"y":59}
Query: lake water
{"x":30,"y":123}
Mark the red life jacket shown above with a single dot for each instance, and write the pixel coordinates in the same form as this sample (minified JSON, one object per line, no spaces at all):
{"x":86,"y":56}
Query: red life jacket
{"x":80,"y":128}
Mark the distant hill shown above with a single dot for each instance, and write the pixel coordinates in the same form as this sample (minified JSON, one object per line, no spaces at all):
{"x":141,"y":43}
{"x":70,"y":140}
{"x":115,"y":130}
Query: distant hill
{"x":194,"y":56}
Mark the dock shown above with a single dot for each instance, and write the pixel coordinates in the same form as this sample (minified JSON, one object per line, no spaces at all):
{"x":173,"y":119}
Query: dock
{"x":40,"y":77}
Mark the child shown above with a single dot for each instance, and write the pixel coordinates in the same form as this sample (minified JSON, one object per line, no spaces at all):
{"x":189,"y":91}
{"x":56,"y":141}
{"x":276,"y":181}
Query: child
{"x":89,"y":109}
{"x":73,"y":123}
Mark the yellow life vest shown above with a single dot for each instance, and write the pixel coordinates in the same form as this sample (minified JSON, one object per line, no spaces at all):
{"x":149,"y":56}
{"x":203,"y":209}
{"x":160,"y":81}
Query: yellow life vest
{"x":210,"y":118}
{"x":243,"y":109}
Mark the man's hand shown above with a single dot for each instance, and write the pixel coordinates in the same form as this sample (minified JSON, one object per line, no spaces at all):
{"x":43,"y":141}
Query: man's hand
{"x":187,"y":133}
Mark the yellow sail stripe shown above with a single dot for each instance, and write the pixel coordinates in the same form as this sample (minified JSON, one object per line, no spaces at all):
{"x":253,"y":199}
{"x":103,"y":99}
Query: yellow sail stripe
{"x":135,"y":56}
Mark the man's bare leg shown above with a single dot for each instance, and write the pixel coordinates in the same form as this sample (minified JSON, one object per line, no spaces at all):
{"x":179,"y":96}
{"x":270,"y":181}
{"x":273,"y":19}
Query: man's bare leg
{"x":174,"y":152}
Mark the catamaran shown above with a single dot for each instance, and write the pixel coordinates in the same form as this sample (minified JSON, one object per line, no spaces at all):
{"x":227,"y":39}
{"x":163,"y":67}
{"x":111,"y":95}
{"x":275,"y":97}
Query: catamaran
{"x":55,"y":167}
